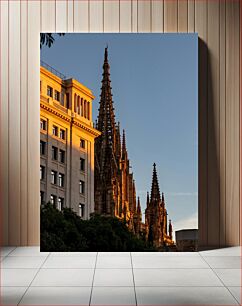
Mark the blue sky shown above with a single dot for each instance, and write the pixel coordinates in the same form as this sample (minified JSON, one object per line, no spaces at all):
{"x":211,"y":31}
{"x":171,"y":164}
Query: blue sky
{"x":155,"y":92}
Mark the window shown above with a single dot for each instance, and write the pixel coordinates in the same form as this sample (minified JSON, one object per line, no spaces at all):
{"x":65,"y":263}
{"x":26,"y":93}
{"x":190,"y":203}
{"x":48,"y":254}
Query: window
{"x":55,"y":130}
{"x":62,"y":156}
{"x":82,"y":164}
{"x":42,"y":147}
{"x":43,"y":124}
{"x":82,"y":143}
{"x":42,"y":172}
{"x":62,"y":134}
{"x":82,"y":112}
{"x":88,"y":110}
{"x":67,"y":101}
{"x":53,"y":177}
{"x":81,"y":210}
{"x":57,"y":95}
{"x":60,"y":204}
{"x":53,"y":200}
{"x":49,"y":91}
{"x":61,"y":180}
{"x":78,"y":105}
{"x":85,"y":108}
{"x":62,"y":99}
{"x":41,"y":200}
{"x":82,"y":187}
{"x":54,"y":153}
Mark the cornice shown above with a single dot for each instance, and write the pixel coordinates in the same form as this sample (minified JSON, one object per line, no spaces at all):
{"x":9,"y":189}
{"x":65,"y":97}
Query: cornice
{"x":55,"y":112}
{"x":87,"y":128}
{"x":51,"y":75}
{"x":68,"y":82}
{"x":80,"y":87}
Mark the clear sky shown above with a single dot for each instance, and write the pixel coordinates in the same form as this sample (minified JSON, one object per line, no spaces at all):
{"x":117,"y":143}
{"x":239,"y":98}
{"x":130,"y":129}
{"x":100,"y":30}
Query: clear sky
{"x":155,"y":92}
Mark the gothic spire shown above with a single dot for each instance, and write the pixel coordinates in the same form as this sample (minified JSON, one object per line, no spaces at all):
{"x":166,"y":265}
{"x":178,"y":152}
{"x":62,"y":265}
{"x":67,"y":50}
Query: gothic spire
{"x":106,"y":118}
{"x":133,"y":193}
{"x":124,"y":142}
{"x":138,"y":207}
{"x":118,"y":142}
{"x":162,"y":198}
{"x":155,"y":191}
{"x":147,"y":199}
{"x":124,"y":151}
{"x":106,"y":55}
{"x":170,"y":229}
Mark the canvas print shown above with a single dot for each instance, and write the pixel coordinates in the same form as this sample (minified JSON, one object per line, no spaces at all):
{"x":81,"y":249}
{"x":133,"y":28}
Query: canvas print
{"x":119,"y":142}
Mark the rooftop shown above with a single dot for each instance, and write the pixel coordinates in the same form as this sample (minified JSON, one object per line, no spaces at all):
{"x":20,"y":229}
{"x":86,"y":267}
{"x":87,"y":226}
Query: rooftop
{"x":52,"y":70}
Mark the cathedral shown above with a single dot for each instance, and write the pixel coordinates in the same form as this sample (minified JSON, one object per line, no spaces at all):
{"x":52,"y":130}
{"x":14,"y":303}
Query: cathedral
{"x":114,"y":185}
{"x":114,"y":190}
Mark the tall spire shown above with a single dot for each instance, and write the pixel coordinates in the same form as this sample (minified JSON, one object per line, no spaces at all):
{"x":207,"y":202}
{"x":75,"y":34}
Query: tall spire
{"x":106,"y":54}
{"x":106,"y":118}
{"x":155,"y":191}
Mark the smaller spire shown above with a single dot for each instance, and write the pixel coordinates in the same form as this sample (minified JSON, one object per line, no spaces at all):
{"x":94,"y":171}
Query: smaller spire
{"x":162,"y":198}
{"x":170,"y":229}
{"x":124,"y":150}
{"x":147,"y":199}
{"x":138,"y":207}
{"x":118,"y":143}
{"x":139,"y":213}
{"x":124,"y":142}
{"x":155,"y":191}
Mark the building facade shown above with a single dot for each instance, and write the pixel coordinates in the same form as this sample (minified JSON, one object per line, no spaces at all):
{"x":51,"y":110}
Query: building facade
{"x":66,"y":143}
{"x":115,"y":193}
{"x":187,"y":240}
{"x":158,"y":232}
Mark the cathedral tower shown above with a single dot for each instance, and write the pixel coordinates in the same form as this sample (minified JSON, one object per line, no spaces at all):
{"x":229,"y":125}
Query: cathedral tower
{"x":106,"y":150}
{"x":156,"y":216}
{"x":114,"y":184}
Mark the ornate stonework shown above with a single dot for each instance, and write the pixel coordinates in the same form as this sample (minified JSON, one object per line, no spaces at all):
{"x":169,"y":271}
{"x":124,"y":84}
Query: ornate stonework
{"x":114,"y":184}
{"x":114,"y":189}
{"x":156,"y":216}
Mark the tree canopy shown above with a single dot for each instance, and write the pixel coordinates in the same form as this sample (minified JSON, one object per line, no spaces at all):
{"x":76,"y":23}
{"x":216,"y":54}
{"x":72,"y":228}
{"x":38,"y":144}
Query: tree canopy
{"x":47,"y":39}
{"x":67,"y":232}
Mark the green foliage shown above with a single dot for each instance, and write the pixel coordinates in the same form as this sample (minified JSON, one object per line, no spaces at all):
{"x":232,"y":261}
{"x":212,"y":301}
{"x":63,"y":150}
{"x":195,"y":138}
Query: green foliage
{"x":48,"y":39}
{"x":65,"y":231}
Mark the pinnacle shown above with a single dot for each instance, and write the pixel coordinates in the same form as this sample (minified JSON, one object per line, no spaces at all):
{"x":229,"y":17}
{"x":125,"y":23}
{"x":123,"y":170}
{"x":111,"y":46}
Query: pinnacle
{"x":123,"y":142}
{"x":155,"y":191}
{"x":106,"y":54}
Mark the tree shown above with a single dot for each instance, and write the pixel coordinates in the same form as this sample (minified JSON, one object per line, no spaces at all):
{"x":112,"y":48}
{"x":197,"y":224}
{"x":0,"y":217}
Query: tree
{"x":48,"y":39}
{"x":66,"y":231}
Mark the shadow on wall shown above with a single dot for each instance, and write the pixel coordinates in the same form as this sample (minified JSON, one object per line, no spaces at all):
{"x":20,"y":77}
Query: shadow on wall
{"x":64,"y":175}
{"x":211,"y":226}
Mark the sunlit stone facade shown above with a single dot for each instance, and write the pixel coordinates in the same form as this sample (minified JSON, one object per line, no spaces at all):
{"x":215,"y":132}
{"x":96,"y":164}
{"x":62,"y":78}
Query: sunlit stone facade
{"x":66,"y":143}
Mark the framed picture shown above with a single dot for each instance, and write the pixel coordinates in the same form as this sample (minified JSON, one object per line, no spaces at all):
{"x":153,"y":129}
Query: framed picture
{"x":119,"y":142}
